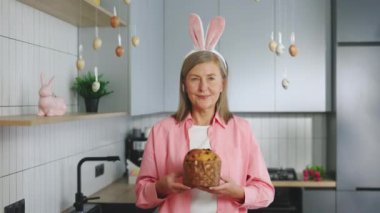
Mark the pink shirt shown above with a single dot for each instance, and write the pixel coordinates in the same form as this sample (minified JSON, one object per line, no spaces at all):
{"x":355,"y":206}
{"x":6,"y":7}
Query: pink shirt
{"x":241,"y":157}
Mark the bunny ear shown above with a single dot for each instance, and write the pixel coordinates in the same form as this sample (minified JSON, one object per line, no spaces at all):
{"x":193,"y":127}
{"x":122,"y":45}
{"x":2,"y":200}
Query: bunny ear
{"x":214,"y":32}
{"x":196,"y":31}
{"x":50,"y":81}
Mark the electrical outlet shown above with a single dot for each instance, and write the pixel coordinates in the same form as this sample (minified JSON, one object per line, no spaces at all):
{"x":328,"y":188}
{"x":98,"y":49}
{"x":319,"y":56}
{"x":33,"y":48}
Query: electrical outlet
{"x":99,"y":170}
{"x":17,"y":207}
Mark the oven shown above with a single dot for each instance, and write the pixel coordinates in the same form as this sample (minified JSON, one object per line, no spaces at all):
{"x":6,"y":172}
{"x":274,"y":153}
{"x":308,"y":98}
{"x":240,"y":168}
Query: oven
{"x":286,"y":200}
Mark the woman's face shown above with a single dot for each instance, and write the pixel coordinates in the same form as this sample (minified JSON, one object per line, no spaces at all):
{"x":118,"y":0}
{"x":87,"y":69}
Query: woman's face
{"x":203,"y":85}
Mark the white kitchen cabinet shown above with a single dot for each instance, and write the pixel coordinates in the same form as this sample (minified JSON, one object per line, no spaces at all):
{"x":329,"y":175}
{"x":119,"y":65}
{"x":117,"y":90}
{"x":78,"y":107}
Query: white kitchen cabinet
{"x":147,"y":59}
{"x":251,"y":65}
{"x":309,"y":72}
{"x":178,"y":42}
{"x":255,"y":73}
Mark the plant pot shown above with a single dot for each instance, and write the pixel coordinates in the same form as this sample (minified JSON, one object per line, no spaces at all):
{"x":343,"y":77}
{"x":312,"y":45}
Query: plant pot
{"x":91,"y":104}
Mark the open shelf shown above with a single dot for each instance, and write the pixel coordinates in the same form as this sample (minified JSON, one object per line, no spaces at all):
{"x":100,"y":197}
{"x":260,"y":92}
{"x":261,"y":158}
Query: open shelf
{"x":32,"y":120}
{"x":69,"y":11}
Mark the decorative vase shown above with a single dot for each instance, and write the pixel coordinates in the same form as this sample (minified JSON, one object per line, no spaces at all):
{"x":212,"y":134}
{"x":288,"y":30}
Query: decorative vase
{"x":91,"y":104}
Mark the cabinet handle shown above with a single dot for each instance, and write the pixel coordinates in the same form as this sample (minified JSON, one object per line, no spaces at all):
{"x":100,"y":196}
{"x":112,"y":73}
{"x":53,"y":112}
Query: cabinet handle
{"x":367,"y":188}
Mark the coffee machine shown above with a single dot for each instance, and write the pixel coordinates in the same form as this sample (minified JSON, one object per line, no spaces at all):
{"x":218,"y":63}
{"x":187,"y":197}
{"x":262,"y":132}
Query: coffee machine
{"x":134,"y":146}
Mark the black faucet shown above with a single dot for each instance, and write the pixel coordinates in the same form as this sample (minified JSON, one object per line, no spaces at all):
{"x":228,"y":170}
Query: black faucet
{"x":80,"y":199}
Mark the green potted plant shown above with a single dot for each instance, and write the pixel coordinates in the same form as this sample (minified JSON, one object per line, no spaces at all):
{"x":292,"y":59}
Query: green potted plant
{"x":91,"y":88}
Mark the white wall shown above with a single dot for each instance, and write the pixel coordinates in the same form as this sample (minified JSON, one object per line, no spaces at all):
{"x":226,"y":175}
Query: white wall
{"x":38,"y":163}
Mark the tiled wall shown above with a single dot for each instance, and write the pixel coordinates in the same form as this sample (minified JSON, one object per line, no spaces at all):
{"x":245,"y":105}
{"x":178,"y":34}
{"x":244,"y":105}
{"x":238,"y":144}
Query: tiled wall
{"x":286,"y":140}
{"x":38,"y":163}
{"x":32,"y":42}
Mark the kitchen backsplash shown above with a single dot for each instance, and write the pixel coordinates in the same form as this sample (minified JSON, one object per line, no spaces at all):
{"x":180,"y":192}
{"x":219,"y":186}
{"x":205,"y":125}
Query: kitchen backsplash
{"x":38,"y":163}
{"x":286,"y":139}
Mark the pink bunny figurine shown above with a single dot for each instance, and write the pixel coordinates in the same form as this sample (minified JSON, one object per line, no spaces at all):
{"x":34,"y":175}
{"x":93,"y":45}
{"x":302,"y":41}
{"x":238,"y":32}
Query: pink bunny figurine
{"x":49,"y":104}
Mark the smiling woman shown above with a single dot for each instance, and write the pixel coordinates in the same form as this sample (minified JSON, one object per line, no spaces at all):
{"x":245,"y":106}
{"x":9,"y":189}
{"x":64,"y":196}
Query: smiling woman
{"x":203,"y":121}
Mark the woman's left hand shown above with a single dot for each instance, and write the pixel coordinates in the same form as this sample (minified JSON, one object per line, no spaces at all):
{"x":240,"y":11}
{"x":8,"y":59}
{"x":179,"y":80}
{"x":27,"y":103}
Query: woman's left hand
{"x":228,"y":188}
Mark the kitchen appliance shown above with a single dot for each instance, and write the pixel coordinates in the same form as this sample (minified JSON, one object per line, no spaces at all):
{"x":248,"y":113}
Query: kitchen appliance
{"x":286,"y":200}
{"x":282,"y":174}
{"x":134,"y":148}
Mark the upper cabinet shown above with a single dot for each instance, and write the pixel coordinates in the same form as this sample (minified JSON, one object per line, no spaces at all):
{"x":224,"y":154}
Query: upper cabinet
{"x":309,"y":73}
{"x":244,"y":45}
{"x":255,"y":73}
{"x":77,"y":12}
{"x":147,"y":59}
{"x":358,"y":21}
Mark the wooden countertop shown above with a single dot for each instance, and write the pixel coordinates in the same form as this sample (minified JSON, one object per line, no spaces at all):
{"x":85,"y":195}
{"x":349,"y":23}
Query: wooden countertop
{"x":306,"y":184}
{"x":117,"y":192}
{"x":122,"y":192}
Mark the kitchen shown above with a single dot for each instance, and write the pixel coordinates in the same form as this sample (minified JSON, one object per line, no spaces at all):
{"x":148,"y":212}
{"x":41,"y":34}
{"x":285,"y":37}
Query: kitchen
{"x":308,"y":123}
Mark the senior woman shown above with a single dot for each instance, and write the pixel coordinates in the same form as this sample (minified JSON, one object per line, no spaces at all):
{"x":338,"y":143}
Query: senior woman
{"x":203,"y":120}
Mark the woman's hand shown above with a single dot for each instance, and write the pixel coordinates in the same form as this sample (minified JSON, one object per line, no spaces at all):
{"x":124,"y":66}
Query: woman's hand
{"x":229,"y":189}
{"x":170,"y":184}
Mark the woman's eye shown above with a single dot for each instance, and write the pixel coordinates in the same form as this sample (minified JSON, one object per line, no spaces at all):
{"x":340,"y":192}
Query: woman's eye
{"x":193,"y":79}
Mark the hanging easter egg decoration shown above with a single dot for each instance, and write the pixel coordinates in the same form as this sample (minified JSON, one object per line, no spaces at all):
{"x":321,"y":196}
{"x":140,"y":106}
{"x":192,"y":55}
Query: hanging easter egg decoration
{"x":272,"y":43}
{"x":119,"y":49}
{"x":293,"y":50}
{"x":80,"y":62}
{"x":285,"y":83}
{"x":135,"y":41}
{"x":95,"y":85}
{"x":128,"y":2}
{"x":97,"y":43}
{"x":115,"y":20}
{"x":280,"y":47}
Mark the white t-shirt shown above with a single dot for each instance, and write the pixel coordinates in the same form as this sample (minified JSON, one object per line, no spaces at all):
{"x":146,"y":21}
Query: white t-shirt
{"x":201,"y":201}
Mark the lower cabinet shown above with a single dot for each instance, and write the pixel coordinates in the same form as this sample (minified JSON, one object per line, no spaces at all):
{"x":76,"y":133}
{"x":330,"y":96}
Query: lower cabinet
{"x":318,"y":200}
{"x":358,"y":201}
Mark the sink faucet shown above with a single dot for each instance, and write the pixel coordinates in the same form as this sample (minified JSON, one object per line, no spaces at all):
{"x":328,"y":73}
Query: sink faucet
{"x":80,"y":199}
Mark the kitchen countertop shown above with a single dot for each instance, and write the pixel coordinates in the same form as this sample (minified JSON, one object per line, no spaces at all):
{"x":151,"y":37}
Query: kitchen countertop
{"x":117,"y":192}
{"x":122,"y":192}
{"x":306,"y":184}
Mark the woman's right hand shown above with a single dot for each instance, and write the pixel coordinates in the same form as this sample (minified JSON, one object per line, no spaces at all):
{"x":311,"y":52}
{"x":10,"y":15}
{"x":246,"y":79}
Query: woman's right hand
{"x":170,"y":184}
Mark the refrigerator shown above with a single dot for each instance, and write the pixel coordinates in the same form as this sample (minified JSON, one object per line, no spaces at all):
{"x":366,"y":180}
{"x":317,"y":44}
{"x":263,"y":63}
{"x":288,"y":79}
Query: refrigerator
{"x":358,"y":127}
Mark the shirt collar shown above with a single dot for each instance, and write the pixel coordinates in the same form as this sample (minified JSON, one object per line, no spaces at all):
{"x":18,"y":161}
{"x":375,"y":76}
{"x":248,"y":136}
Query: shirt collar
{"x":216,"y":120}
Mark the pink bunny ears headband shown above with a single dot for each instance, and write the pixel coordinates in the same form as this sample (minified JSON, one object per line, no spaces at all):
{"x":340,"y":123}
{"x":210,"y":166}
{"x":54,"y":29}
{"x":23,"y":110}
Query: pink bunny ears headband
{"x":214,"y":32}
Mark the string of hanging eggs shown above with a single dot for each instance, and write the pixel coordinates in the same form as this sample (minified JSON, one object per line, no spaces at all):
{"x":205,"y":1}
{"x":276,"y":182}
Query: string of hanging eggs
{"x":278,"y":47}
